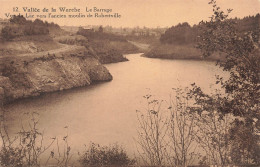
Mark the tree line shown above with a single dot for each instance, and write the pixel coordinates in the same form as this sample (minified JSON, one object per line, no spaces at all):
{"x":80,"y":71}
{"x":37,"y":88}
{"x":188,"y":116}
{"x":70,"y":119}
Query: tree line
{"x":184,"y":33}
{"x":19,"y":26}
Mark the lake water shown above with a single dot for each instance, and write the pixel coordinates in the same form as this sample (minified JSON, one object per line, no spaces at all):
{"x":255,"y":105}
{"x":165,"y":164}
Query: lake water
{"x":105,"y":113}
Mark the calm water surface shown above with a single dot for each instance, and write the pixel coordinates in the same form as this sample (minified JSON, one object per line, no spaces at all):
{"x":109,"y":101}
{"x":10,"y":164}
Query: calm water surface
{"x":105,"y":113}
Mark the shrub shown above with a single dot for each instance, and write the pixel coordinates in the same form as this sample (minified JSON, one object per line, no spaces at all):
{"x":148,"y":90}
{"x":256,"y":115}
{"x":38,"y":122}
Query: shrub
{"x":10,"y":32}
{"x":97,"y":155}
{"x":12,"y":156}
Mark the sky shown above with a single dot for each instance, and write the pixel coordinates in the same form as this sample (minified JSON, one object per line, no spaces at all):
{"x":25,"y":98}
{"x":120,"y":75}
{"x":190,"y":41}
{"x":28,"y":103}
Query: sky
{"x":149,"y":13}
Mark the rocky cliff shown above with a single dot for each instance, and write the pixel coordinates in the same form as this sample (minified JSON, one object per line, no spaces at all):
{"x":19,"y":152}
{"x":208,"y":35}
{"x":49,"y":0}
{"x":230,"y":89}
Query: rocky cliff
{"x":22,"y":77}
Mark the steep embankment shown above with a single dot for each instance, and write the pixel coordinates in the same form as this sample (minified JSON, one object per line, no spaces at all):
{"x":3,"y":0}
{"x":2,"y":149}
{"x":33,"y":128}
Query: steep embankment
{"x":26,"y":76}
{"x":109,"y":47}
{"x":105,"y":50}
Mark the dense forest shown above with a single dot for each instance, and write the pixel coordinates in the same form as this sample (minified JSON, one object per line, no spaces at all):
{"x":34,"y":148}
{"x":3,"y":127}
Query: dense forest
{"x":183,"y":33}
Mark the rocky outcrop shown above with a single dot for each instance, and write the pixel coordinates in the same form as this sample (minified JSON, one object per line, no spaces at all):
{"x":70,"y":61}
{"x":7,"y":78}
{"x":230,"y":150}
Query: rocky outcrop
{"x":99,"y":73}
{"x":31,"y":76}
{"x":110,"y":56}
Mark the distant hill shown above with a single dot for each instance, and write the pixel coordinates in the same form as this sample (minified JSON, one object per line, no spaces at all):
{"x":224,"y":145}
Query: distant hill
{"x":99,"y":35}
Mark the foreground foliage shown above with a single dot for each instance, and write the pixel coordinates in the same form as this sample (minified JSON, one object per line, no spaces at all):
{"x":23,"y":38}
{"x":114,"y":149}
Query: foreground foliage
{"x":166,"y":134}
{"x":97,"y":155}
{"x":26,"y":149}
{"x":241,"y":98}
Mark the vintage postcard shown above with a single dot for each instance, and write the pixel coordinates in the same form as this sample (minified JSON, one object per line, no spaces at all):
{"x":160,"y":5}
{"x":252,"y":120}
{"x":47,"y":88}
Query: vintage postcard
{"x":129,"y":83}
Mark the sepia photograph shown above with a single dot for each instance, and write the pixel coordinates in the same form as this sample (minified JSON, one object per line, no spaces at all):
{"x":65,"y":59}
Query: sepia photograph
{"x":136,"y":83}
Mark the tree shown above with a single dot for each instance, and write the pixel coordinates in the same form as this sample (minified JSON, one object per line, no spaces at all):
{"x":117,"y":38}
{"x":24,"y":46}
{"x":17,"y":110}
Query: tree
{"x":180,"y":34}
{"x":152,"y":133}
{"x":19,"y":19}
{"x":241,"y":59}
{"x":100,"y":29}
{"x":241,"y":151}
{"x":212,"y":135}
{"x":166,"y":131}
{"x":182,"y":130}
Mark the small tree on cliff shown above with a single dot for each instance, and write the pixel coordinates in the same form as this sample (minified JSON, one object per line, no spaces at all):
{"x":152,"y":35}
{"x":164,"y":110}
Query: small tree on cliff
{"x":100,"y":29}
{"x":241,"y":59}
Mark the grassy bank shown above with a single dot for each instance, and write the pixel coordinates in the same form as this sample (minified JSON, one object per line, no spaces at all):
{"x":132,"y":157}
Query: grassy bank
{"x":171,"y":51}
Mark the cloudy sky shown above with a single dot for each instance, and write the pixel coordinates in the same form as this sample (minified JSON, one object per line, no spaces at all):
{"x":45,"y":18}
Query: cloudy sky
{"x":149,"y":13}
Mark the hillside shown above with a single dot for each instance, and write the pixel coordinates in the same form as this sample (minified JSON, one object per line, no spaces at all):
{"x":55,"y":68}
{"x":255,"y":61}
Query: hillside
{"x":38,"y":57}
{"x":106,"y":47}
{"x":179,"y":42}
{"x":33,"y":61}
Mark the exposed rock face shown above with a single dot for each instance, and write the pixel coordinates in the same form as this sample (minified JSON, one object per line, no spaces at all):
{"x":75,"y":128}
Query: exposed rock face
{"x":25,"y":77}
{"x":1,"y":96}
{"x":5,"y":86}
{"x":99,"y":73}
